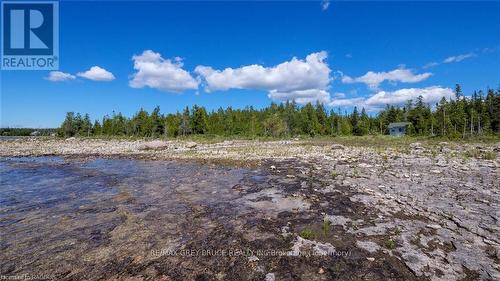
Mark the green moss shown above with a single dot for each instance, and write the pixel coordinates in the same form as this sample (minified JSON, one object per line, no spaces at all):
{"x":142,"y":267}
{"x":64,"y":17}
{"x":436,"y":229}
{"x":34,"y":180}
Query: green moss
{"x":307,"y":234}
{"x":390,"y":244}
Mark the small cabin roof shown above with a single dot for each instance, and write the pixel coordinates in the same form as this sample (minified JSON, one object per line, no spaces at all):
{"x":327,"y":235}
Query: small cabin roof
{"x":398,"y":124}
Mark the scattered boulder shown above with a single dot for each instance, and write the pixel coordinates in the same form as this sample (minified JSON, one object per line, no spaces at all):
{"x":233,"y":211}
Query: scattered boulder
{"x":337,"y":146}
{"x":444,"y":147}
{"x":154,"y":145}
{"x":191,"y":144}
{"x":416,"y":146}
{"x":71,"y":139}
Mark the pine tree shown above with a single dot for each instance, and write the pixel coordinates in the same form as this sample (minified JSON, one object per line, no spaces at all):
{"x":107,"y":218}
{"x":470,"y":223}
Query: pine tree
{"x":185,"y":127}
{"x":68,"y":126}
{"x":199,"y":122}
{"x":97,"y":128}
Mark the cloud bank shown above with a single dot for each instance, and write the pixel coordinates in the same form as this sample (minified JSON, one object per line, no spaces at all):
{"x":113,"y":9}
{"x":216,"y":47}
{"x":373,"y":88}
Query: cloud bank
{"x":304,"y":80}
{"x":378,"y":101}
{"x":374,"y":79}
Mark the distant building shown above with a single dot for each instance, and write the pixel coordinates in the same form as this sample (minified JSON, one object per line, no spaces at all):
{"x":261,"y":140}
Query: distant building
{"x":398,"y":128}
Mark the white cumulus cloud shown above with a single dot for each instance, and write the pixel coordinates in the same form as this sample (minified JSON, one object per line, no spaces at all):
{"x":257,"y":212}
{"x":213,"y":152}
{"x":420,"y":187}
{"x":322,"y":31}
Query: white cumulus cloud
{"x":97,"y":73}
{"x":374,"y":79}
{"x":162,"y":74}
{"x":58,"y":76}
{"x":431,"y":95}
{"x":288,"y":80}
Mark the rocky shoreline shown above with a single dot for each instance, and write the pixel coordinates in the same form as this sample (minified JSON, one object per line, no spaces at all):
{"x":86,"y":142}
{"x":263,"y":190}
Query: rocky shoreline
{"x":416,"y":212}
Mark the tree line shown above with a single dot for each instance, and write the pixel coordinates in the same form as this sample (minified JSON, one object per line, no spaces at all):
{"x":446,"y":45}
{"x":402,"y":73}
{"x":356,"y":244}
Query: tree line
{"x":478,"y":114}
{"x":26,"y":132}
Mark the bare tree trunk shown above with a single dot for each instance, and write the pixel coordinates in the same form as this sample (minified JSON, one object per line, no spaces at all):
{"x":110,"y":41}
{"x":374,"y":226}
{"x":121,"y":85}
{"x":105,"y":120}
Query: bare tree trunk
{"x":444,"y":121}
{"x":465,"y":124}
{"x":479,"y":125}
{"x":471,"y":125}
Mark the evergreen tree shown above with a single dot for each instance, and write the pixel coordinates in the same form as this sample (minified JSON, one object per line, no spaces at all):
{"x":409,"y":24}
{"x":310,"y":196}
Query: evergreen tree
{"x":199,"y":122}
{"x":185,"y":127}
{"x":69,"y":125}
{"x":459,"y":117}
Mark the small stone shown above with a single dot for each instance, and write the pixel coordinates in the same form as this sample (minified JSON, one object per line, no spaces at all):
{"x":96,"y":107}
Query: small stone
{"x":270,"y":277}
{"x":321,"y":270}
{"x":220,"y":276}
{"x":416,"y":146}
{"x":71,"y":139}
{"x":290,"y":176}
{"x":433,"y":226}
{"x":253,"y":259}
{"x":370,"y":259}
{"x":488,"y":241}
{"x":435,"y":171}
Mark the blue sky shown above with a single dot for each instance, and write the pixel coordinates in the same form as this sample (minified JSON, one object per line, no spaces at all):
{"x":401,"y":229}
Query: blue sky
{"x":121,"y":56}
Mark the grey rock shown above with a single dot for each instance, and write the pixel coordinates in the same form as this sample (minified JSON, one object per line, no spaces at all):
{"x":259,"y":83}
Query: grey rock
{"x":369,"y":246}
{"x":337,"y":146}
{"x":154,"y":145}
{"x":191,"y":144}
{"x":270,"y":277}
